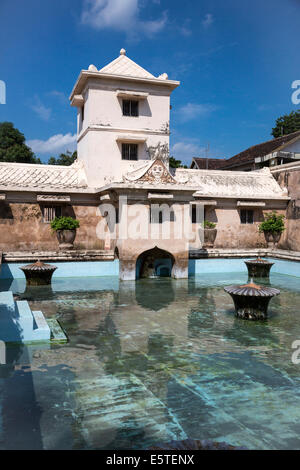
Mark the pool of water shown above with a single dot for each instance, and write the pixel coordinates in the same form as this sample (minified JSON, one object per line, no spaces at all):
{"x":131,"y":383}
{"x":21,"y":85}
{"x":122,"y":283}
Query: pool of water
{"x":151,"y":361}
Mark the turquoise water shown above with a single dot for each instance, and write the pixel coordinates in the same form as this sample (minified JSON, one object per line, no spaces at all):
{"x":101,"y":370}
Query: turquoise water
{"x":153,"y":361}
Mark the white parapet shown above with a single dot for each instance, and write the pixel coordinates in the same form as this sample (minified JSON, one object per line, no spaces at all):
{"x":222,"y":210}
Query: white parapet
{"x":18,"y":323}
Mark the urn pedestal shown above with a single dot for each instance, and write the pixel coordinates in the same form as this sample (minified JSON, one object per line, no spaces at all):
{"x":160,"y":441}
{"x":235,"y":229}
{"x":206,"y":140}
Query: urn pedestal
{"x":251,"y":301}
{"x":66,"y":239}
{"x":258,"y":268}
{"x":209,"y":237}
{"x":38,"y":274}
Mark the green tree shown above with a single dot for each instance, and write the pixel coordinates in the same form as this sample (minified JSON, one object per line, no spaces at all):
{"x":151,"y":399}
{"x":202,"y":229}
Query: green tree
{"x":176,"y":163}
{"x":65,"y":159}
{"x":13,"y":147}
{"x":287,"y":124}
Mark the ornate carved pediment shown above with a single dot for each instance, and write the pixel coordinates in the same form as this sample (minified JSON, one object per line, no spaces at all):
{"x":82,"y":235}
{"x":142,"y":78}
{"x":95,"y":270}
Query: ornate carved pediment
{"x":154,"y":173}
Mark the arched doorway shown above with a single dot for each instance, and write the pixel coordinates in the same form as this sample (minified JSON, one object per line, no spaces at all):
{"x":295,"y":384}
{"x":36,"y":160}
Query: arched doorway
{"x":154,"y":263}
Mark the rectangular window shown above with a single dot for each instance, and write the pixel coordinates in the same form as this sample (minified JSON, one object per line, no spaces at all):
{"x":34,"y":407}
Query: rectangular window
{"x":130,"y":108}
{"x":50,"y":212}
{"x":193,"y":212}
{"x":153,"y":217}
{"x":129,"y":151}
{"x":247,"y":216}
{"x":82,"y":113}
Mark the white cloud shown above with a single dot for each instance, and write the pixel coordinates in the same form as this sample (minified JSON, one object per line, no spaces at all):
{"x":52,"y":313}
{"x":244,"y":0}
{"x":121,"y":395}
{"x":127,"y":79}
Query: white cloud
{"x":185,"y":28}
{"x":208,"y":20}
{"x":40,"y":109}
{"x":121,"y":15}
{"x":186,"y":150}
{"x":193,"y":110}
{"x":56,"y":144}
{"x":59,"y":95}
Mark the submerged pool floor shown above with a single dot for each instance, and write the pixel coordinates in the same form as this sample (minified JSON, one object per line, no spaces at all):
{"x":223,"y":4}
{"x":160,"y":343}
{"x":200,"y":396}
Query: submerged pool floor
{"x":153,"y":361}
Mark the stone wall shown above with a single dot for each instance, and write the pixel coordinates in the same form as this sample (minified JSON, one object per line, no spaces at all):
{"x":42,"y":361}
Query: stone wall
{"x":22,"y":227}
{"x":289,"y":176}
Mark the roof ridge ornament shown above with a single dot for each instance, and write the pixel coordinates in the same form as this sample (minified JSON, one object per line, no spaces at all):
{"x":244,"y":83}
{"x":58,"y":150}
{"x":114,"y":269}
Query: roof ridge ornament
{"x":123,"y":51}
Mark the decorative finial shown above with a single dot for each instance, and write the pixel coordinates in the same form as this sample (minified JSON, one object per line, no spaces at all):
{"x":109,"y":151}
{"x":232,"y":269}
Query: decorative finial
{"x":163,"y":76}
{"x":122,"y":52}
{"x":93,"y":68}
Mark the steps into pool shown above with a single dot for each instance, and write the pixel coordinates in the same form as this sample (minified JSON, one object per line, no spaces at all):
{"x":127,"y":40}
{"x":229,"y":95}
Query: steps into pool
{"x":19,"y":324}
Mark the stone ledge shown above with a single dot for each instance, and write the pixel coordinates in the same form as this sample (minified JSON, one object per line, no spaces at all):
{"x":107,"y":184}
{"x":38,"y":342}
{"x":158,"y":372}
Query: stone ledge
{"x":71,"y":255}
{"x":244,"y":253}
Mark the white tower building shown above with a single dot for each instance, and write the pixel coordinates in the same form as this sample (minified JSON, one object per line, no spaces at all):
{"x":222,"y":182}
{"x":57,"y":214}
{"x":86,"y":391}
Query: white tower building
{"x":123,"y":118}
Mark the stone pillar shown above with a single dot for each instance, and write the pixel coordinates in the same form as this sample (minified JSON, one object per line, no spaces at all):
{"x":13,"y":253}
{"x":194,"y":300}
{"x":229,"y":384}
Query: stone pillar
{"x":127,"y":270}
{"x":181,"y":268}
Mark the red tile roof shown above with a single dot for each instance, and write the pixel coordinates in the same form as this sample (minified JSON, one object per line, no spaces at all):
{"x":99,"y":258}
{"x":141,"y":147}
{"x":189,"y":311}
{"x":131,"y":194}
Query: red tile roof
{"x":209,"y":163}
{"x":259,"y":150}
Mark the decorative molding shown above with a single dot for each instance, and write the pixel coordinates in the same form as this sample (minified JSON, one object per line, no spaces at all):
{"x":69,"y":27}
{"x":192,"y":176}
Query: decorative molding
{"x":2,"y":196}
{"x":204,"y":202}
{"x":137,"y":95}
{"x":154,"y":173}
{"x":78,"y":100}
{"x":160,"y":196}
{"x":52,"y":198}
{"x":99,"y":127}
{"x":250,"y":204}
{"x":131,"y":138}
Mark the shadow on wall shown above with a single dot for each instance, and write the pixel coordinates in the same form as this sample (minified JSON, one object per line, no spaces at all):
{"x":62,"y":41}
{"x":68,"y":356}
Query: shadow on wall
{"x":6,"y":213}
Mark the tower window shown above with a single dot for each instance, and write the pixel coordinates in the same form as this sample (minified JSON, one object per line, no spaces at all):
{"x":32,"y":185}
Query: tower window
{"x":247,"y":216}
{"x":130,"y":108}
{"x":129,"y":151}
{"x":82,"y":113}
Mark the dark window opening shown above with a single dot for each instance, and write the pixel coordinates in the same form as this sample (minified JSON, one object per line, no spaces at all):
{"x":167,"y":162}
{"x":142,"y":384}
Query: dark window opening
{"x":161,"y":218}
{"x":117,"y":215}
{"x":130,"y":108}
{"x":50,"y":212}
{"x":129,"y":151}
{"x":82,"y":113}
{"x":247,"y":216}
{"x":194,"y":214}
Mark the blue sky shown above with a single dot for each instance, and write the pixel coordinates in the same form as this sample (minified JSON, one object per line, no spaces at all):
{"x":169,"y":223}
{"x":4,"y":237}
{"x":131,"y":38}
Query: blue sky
{"x":236,"y":61}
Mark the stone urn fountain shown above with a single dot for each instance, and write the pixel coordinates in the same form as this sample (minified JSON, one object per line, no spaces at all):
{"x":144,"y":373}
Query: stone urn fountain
{"x":251,"y":301}
{"x":259,"y":267}
{"x":38,"y":273}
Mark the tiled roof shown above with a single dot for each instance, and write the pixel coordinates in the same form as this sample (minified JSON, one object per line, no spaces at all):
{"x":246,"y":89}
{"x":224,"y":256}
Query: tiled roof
{"x":20,"y":175}
{"x":259,"y":150}
{"x":209,"y":163}
{"x":258,"y":184}
{"x":125,"y":66}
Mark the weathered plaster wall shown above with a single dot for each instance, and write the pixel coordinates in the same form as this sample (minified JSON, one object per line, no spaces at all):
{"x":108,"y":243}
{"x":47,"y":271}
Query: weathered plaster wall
{"x":22,"y":227}
{"x":230,"y":232}
{"x":289,"y":176}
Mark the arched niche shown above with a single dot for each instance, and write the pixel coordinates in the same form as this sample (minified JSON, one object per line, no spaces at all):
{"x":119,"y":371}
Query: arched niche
{"x":154,"y":263}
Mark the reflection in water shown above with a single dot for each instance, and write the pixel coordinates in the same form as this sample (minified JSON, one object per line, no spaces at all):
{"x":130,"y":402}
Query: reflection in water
{"x":154,"y":294}
{"x":154,"y":361}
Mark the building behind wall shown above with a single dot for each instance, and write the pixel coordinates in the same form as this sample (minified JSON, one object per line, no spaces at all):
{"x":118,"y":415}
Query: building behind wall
{"x":279,"y":151}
